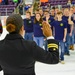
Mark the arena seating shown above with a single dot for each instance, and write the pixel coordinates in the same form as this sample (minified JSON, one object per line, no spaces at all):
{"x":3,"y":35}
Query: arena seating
{"x":10,"y":2}
{"x":6,"y":9}
{"x":56,"y":2}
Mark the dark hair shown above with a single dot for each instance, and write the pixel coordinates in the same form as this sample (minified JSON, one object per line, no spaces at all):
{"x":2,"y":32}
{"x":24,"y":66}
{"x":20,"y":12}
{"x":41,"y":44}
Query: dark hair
{"x":53,"y":8}
{"x":40,"y":21}
{"x":46,"y":11}
{"x":14,"y":23}
{"x":60,"y":12}
{"x":28,"y":12}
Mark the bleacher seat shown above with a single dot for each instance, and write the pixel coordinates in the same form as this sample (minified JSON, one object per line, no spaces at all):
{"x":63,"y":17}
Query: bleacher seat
{"x":56,"y":2}
{"x":6,"y":9}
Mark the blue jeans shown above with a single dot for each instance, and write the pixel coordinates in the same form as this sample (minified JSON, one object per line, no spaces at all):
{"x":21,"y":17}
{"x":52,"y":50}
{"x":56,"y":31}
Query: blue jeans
{"x":67,"y":43}
{"x":74,"y":34}
{"x":28,"y":36}
{"x":61,"y":51}
{"x":72,"y":39}
{"x":39,"y":41}
{"x":45,"y":45}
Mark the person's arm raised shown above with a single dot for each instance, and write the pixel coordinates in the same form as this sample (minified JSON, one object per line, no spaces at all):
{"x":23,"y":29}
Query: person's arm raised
{"x":52,"y":55}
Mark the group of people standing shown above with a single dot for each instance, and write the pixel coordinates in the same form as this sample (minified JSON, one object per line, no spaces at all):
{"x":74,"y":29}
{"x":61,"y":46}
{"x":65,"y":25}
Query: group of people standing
{"x":62,"y":23}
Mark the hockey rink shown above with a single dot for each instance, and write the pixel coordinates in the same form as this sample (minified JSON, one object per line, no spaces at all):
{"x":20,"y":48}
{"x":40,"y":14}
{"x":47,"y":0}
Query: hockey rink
{"x":59,"y":69}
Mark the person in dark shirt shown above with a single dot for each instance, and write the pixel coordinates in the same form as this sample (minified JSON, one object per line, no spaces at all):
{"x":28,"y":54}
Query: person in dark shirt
{"x":37,"y":30}
{"x":41,"y":12}
{"x":69,"y":31}
{"x":73,"y":19}
{"x":52,"y":13}
{"x":21,"y":9}
{"x":33,"y":16}
{"x":56,"y":10}
{"x":28,"y":26}
{"x":71,"y":47}
{"x":38,"y":10}
{"x":49,"y":20}
{"x":18,"y":56}
{"x":60,"y":27}
{"x":26,"y":7}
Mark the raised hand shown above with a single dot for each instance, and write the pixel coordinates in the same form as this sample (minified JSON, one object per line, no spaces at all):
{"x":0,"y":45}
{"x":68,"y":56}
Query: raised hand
{"x":46,"y":29}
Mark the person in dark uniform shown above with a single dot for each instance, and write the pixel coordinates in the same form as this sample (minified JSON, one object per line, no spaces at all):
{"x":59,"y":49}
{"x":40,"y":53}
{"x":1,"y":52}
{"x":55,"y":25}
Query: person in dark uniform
{"x":18,"y":56}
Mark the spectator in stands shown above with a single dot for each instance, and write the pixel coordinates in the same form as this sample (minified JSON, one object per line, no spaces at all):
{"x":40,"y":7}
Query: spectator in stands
{"x":20,"y":1}
{"x":28,"y":26}
{"x":69,"y":2}
{"x":26,"y":7}
{"x":37,"y":30}
{"x":39,"y":4}
{"x":35,"y":6}
{"x":49,"y":5}
{"x":21,"y":9}
{"x":60,"y":27}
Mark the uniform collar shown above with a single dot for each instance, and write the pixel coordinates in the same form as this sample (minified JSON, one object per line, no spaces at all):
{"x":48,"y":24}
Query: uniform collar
{"x":13,"y":36}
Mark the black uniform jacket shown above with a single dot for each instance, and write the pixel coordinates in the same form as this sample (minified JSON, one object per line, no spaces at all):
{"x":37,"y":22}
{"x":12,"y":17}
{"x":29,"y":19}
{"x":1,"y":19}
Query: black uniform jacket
{"x":18,"y":56}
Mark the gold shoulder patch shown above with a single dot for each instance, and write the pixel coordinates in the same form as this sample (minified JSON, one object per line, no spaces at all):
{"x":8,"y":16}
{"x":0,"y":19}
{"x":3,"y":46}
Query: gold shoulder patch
{"x":54,"y":46}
